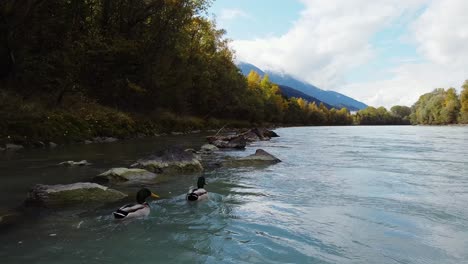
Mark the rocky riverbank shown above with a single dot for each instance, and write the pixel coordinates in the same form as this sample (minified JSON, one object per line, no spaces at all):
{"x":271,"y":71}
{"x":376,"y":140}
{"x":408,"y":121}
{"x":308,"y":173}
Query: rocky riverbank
{"x":109,"y":186}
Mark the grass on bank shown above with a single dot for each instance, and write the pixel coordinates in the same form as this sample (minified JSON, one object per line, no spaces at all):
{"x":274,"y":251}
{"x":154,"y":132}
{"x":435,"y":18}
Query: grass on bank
{"x":27,"y":122}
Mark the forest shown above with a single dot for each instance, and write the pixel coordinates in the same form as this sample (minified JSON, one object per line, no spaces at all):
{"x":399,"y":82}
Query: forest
{"x":77,"y":69}
{"x":71,"y":70}
{"x":439,"y":107}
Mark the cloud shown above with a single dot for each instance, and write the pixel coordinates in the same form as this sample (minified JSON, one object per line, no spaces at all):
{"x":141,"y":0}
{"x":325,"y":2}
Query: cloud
{"x":332,"y":37}
{"x":231,"y":14}
{"x":440,"y":34}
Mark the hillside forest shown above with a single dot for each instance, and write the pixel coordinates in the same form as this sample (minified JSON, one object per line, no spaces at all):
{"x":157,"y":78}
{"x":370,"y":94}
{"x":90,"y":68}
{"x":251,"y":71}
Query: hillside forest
{"x":77,"y":69}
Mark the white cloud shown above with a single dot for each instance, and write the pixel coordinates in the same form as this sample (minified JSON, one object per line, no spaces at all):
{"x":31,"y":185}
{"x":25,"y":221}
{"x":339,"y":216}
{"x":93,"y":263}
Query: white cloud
{"x":332,"y":37}
{"x":231,"y":14}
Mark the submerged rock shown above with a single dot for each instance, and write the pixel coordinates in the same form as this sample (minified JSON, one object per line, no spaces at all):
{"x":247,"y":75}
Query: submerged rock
{"x":261,"y":157}
{"x":39,"y":144}
{"x":208,"y":148}
{"x":72,"y":194}
{"x":52,"y":145}
{"x":13,"y":147}
{"x":117,"y":175}
{"x":72,"y":163}
{"x":9,"y":217}
{"x":104,"y":139}
{"x":171,"y":160}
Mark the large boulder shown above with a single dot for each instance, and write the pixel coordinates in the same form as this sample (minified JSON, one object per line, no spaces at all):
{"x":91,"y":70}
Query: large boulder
{"x":256,"y":134}
{"x":261,"y":157}
{"x":265,"y":133}
{"x":237,"y":142}
{"x":82,"y":193}
{"x":118,"y":175}
{"x":171,"y":160}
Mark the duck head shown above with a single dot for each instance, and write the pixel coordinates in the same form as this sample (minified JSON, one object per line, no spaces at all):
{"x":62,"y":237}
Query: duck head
{"x":201,"y":182}
{"x":143,"y":194}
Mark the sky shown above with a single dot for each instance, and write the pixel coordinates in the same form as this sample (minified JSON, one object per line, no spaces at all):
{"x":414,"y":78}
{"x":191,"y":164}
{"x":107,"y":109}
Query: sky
{"x":381,"y":52}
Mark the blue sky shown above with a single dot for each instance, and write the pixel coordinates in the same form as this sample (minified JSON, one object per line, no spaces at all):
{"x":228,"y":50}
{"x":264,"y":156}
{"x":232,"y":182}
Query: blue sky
{"x":260,"y":18}
{"x":382,"y":52}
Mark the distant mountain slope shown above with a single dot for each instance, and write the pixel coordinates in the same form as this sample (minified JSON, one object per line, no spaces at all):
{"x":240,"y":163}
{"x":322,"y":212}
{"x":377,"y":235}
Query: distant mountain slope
{"x":330,"y":97}
{"x":290,"y":92}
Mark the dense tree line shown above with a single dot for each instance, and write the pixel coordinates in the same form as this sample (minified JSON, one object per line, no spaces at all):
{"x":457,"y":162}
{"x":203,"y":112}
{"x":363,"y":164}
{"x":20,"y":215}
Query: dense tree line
{"x":398,"y":115}
{"x":273,"y":107}
{"x":131,"y":55}
{"x":151,"y":56}
{"x":439,"y":107}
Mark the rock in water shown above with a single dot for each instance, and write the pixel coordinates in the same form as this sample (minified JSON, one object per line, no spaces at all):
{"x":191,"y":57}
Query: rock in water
{"x":9,"y":217}
{"x":104,"y":139}
{"x":75,"y":163}
{"x":13,"y":147}
{"x":237,"y":142}
{"x":208,"y":148}
{"x":116,"y":175}
{"x":171,"y":160}
{"x":82,"y":193}
{"x":260,"y":157}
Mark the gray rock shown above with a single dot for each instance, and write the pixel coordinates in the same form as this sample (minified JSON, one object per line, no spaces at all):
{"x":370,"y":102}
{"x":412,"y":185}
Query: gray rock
{"x":251,"y":136}
{"x":177,"y":133}
{"x":72,"y":163}
{"x":39,"y":144}
{"x":13,"y":147}
{"x":208,"y":148}
{"x":172,"y":160}
{"x":104,"y":139}
{"x":237,"y":142}
{"x":87,"y":142}
{"x":260,"y":157}
{"x":82,"y":193}
{"x":9,"y":217}
{"x":52,"y":145}
{"x":118,"y":175}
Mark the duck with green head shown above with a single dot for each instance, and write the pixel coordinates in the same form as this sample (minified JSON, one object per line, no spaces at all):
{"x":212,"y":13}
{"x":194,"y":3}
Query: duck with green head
{"x":140,"y":209}
{"x":199,"y":193}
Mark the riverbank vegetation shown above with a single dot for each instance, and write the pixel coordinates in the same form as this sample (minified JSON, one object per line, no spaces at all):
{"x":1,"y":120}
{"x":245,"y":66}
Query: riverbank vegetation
{"x":78,"y":69}
{"x":70,"y":70}
{"x":439,"y":107}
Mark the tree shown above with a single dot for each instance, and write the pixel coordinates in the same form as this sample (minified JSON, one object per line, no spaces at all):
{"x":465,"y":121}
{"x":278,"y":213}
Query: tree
{"x":400,"y":111}
{"x":464,"y":104}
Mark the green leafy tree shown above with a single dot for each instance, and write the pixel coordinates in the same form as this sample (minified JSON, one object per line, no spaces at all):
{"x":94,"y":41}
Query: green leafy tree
{"x":464,"y":104}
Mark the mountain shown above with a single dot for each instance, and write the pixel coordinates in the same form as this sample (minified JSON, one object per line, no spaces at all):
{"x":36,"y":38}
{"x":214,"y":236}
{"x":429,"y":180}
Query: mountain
{"x":291,"y":92}
{"x":335,"y":99}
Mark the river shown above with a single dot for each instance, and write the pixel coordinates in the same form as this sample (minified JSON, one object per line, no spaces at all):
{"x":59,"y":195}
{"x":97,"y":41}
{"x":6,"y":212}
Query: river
{"x":385,"y":194}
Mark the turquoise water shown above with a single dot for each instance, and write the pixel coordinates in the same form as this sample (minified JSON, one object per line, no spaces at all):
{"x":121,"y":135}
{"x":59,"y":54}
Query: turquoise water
{"x":341,"y":195}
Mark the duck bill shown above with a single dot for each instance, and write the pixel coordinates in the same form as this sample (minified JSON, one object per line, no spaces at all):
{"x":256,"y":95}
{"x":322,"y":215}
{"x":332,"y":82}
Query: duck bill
{"x":154,"y":195}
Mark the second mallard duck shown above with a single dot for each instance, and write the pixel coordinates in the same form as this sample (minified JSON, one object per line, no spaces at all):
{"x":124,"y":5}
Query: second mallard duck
{"x":199,"y":193}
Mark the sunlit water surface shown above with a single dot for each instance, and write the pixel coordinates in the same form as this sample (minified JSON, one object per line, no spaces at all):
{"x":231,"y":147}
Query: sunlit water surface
{"x":341,"y":195}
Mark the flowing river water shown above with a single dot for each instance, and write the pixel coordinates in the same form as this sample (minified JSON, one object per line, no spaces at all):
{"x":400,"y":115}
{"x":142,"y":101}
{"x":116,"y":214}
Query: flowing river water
{"x":341,"y":195}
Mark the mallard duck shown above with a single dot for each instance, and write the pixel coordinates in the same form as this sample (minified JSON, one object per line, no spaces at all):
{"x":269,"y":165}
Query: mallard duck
{"x":199,"y":193}
{"x":140,"y":209}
